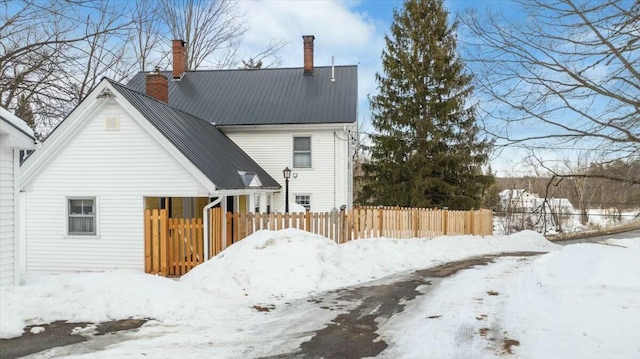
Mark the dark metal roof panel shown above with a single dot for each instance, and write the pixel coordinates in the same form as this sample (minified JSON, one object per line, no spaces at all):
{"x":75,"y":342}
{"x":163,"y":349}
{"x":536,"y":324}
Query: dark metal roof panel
{"x":210,"y":150}
{"x":265,"y":96}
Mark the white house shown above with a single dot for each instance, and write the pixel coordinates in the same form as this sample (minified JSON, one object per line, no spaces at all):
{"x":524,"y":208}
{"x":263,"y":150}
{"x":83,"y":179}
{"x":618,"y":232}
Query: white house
{"x":519,"y":199}
{"x":303,"y":118}
{"x":522,"y":200}
{"x":201,"y":140}
{"x":15,"y":136}
{"x":118,"y":153}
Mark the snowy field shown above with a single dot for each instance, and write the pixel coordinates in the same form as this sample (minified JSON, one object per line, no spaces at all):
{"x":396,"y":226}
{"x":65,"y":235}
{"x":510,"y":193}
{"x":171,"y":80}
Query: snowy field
{"x":569,"y":221}
{"x":576,"y":301}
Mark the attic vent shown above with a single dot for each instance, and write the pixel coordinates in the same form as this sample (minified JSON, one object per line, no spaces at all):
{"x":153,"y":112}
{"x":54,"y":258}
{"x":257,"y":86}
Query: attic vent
{"x":112,"y":123}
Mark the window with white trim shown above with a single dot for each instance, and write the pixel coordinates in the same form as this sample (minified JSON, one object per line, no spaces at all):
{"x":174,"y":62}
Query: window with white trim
{"x":302,"y":152}
{"x":81,"y":215}
{"x":304,"y":200}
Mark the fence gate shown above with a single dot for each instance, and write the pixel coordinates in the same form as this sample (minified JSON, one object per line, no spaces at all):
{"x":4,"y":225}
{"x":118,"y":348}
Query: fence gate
{"x":173,"y":246}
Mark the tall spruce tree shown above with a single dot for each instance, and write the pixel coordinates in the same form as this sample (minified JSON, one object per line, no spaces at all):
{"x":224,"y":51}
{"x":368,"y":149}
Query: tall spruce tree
{"x":427,"y":151}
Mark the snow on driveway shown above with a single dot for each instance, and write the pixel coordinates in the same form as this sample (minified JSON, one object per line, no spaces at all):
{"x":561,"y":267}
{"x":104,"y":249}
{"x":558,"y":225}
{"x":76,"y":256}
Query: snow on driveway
{"x":556,"y":305}
{"x":580,"y":302}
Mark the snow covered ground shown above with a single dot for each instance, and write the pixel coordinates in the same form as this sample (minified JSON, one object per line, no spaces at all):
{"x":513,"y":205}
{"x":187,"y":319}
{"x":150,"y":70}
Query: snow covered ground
{"x":576,"y":301}
{"x":570,"y":221}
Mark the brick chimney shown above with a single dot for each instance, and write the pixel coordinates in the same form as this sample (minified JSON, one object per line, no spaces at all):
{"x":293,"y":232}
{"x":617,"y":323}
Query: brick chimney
{"x":307,"y":40}
{"x":157,"y":86}
{"x":179,"y":59}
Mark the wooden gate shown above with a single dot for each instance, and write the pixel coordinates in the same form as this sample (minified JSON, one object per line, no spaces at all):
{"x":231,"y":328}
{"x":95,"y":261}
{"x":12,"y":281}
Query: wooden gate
{"x":173,"y":246}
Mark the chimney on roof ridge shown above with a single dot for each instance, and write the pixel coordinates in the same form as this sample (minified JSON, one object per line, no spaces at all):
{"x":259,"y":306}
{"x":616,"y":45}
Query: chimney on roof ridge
{"x":307,"y":41}
{"x":179,"y":59}
{"x":157,"y":86}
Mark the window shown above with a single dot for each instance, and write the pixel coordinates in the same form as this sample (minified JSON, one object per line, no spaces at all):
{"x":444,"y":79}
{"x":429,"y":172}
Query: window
{"x":302,"y":152}
{"x":82,"y":216}
{"x":304,"y":200}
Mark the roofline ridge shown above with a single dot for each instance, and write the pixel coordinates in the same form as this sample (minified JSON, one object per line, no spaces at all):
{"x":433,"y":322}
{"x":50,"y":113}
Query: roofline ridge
{"x":250,"y":70}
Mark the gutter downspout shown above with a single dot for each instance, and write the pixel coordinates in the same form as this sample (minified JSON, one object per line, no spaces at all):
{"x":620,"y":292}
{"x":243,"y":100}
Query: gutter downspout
{"x":205,"y":217}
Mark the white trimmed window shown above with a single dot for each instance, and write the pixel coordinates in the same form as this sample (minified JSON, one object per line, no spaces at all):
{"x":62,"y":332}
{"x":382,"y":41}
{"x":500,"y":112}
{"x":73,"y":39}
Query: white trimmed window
{"x":82,"y":216}
{"x":304,"y":200}
{"x":302,"y":152}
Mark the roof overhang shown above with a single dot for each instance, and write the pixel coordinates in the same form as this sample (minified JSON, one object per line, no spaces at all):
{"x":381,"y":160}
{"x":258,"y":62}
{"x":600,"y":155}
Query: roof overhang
{"x":289,"y":127}
{"x":80,"y":117}
{"x":14,"y":132}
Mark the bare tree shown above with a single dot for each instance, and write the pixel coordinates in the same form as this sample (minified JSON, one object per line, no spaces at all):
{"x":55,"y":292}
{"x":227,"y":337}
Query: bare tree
{"x":583,"y":189}
{"x":102,"y":55}
{"x":53,"y":51}
{"x":212,"y":30}
{"x":267,"y":57}
{"x":569,"y":69}
{"x":147,"y":35}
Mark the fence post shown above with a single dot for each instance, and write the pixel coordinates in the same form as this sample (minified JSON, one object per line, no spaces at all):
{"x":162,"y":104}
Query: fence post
{"x":343,"y":226}
{"x":229,"y":234}
{"x":164,"y":242}
{"x":156,"y":241}
{"x":147,"y":241}
{"x":445,"y":220}
{"x":307,"y":220}
{"x":414,"y":222}
{"x":380,"y":221}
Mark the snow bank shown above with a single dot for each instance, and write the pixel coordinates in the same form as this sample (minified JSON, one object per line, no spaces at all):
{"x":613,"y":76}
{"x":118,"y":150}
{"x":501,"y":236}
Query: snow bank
{"x":96,"y":297}
{"x":267,"y":263}
{"x":292,"y":263}
{"x":267,"y":267}
{"x":582,"y":301}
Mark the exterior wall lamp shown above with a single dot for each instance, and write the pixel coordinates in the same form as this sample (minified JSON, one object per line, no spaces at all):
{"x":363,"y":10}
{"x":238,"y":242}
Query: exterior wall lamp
{"x":287,"y":174}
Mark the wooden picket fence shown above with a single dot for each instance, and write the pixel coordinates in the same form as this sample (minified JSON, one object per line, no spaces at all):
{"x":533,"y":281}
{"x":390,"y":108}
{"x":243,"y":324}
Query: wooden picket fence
{"x":366,"y":222}
{"x":173,"y":246}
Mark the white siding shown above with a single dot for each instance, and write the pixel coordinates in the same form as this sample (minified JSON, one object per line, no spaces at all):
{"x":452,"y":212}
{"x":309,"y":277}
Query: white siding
{"x":7,"y":216}
{"x":119,"y":168}
{"x":273,"y":151}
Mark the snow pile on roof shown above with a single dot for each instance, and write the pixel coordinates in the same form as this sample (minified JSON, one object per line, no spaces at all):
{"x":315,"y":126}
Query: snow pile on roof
{"x":16,"y":121}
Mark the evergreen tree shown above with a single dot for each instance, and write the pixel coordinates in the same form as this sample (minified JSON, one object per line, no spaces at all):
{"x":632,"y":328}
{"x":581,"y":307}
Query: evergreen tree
{"x":24,"y":112}
{"x":427,"y":151}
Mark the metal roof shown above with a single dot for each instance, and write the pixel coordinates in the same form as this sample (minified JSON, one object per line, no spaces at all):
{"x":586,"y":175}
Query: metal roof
{"x":265,"y":96}
{"x":210,"y":150}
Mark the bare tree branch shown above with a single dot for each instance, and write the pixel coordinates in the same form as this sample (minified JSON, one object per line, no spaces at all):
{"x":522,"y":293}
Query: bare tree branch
{"x":569,"y":70}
